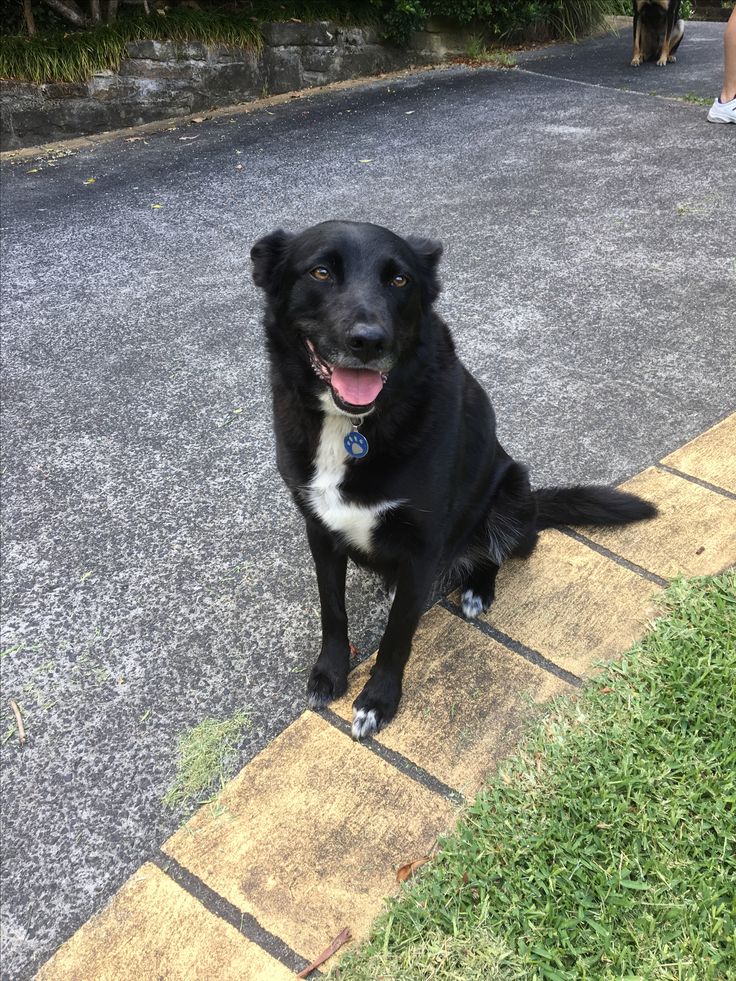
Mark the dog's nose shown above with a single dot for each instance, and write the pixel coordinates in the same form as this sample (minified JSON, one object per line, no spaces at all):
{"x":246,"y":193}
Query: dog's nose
{"x":367,"y":341}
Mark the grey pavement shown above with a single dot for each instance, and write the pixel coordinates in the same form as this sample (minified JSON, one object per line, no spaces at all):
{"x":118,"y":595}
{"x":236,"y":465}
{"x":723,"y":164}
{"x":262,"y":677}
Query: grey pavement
{"x":154,"y":570}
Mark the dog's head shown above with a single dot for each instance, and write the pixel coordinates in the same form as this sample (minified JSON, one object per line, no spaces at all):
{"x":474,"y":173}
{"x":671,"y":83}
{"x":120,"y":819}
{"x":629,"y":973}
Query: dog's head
{"x":351,"y":297}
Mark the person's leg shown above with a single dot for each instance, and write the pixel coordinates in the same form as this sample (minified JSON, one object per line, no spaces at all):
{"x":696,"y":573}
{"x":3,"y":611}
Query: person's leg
{"x":728,"y":92}
{"x":723,"y":109}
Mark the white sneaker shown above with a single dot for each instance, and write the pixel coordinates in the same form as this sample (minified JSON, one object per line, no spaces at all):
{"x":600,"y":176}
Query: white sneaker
{"x":722,"y":112}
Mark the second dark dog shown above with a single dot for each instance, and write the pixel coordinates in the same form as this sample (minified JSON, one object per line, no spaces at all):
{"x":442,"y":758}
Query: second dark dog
{"x":658,"y":30}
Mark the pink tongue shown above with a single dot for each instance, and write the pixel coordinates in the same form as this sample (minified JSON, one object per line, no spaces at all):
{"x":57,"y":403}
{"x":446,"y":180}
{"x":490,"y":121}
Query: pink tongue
{"x":357,"y":386}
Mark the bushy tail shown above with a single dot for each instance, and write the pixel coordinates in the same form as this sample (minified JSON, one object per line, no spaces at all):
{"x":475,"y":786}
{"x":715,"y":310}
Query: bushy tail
{"x":589,"y":505}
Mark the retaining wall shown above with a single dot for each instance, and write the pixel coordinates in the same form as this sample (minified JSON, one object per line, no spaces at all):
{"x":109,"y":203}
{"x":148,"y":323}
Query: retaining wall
{"x":160,"y":79}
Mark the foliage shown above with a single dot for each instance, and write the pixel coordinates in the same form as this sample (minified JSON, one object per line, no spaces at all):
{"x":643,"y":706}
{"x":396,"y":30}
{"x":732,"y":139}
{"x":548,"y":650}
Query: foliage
{"x":73,"y":56}
{"x":506,"y":18}
{"x":605,"y":848}
{"x":60,"y":53}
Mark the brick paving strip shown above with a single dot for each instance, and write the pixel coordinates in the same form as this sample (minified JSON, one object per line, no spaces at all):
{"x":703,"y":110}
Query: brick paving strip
{"x":307,"y":838}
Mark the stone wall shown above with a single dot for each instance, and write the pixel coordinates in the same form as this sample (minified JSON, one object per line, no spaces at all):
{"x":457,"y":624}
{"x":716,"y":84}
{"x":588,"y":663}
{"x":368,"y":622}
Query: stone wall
{"x":160,"y":79}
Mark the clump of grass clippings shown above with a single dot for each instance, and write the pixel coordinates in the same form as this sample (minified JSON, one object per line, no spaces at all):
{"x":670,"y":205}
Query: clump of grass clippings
{"x":606,"y":847}
{"x":206,"y":759}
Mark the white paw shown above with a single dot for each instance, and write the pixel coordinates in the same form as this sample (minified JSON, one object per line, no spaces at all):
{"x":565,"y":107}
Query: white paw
{"x":364,"y":723}
{"x":472,"y":604}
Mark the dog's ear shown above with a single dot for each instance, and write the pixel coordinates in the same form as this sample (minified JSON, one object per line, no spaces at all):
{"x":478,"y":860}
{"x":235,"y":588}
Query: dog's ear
{"x":267,"y":255}
{"x":429,"y":254}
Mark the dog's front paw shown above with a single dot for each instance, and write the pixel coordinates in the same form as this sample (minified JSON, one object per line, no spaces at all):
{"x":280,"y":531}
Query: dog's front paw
{"x":635,"y":62}
{"x":376,"y":705}
{"x":672,"y":59}
{"x":324,"y":685}
{"x":662,"y":61}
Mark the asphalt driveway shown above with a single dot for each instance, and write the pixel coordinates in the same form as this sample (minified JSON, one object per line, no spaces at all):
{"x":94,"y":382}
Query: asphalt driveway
{"x":154,"y":570}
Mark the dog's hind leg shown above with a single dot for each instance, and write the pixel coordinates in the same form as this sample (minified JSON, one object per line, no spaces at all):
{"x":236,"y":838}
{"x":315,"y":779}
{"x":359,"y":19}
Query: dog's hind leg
{"x":329,"y":676}
{"x":672,"y":43}
{"x":673,"y":34}
{"x":479,"y":587}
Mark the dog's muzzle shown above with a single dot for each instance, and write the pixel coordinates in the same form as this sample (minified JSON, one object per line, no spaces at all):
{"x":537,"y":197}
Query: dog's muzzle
{"x":353,"y":389}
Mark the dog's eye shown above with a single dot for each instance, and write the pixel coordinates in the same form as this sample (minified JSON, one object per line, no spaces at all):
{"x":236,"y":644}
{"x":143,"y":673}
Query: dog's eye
{"x":400,"y":280}
{"x":320,"y":273}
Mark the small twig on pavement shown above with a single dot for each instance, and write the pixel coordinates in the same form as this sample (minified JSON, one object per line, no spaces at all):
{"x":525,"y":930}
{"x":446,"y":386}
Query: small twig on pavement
{"x":337,"y":943}
{"x":18,"y":721}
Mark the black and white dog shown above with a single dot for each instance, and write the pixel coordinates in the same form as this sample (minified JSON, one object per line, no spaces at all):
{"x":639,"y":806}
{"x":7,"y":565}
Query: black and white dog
{"x":388,"y":446}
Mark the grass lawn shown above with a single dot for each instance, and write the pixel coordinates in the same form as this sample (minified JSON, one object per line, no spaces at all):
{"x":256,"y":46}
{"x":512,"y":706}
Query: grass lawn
{"x":606,"y":848}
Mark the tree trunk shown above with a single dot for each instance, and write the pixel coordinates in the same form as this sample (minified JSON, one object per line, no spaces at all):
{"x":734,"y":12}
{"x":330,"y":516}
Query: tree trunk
{"x":28,"y":14}
{"x":94,"y":9}
{"x":69,"y":11}
{"x":112,"y":11}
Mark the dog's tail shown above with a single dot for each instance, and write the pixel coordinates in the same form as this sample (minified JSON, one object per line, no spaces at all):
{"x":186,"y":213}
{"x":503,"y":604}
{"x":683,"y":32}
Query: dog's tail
{"x":589,"y":505}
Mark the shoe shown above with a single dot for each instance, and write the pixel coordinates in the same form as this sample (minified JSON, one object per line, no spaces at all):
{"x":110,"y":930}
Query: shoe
{"x":722,"y":112}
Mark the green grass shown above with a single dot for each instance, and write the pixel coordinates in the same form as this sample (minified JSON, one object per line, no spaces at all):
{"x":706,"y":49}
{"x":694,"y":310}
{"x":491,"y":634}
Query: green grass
{"x":68,"y":55}
{"x":480,"y":52}
{"x":698,"y":100}
{"x":206,"y":759}
{"x":606,"y":848}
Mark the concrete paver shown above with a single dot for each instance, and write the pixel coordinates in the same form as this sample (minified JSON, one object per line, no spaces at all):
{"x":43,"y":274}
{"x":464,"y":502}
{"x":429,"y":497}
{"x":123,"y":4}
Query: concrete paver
{"x":154,"y":929}
{"x":571,"y":604}
{"x":710,"y":457}
{"x":465,"y":700}
{"x":694,"y":535}
{"x":309,"y":836}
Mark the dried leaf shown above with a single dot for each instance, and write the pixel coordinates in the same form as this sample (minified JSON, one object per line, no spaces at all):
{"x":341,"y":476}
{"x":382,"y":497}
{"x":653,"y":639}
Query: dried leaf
{"x":408,"y":870}
{"x":157,"y":206}
{"x":606,"y":690}
{"x":90,"y":180}
{"x":354,"y":652}
{"x":337,"y":943}
{"x":198,"y":119}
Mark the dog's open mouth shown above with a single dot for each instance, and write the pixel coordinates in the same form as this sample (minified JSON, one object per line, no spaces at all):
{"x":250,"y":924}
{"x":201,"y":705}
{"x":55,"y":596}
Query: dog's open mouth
{"x":354,"y":389}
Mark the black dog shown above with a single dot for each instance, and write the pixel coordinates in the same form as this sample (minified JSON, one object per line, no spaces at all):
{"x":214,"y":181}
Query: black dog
{"x":658,"y":30}
{"x":388,"y":443}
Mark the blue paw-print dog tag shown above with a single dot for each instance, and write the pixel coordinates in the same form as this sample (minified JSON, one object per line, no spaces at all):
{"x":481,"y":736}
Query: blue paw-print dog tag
{"x":356,"y":445}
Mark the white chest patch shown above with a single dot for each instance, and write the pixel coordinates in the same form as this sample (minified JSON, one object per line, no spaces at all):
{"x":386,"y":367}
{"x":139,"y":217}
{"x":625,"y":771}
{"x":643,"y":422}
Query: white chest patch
{"x":357,"y":522}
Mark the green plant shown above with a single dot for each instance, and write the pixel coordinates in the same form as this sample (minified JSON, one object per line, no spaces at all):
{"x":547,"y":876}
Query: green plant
{"x":72,"y":56}
{"x":59,"y":54}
